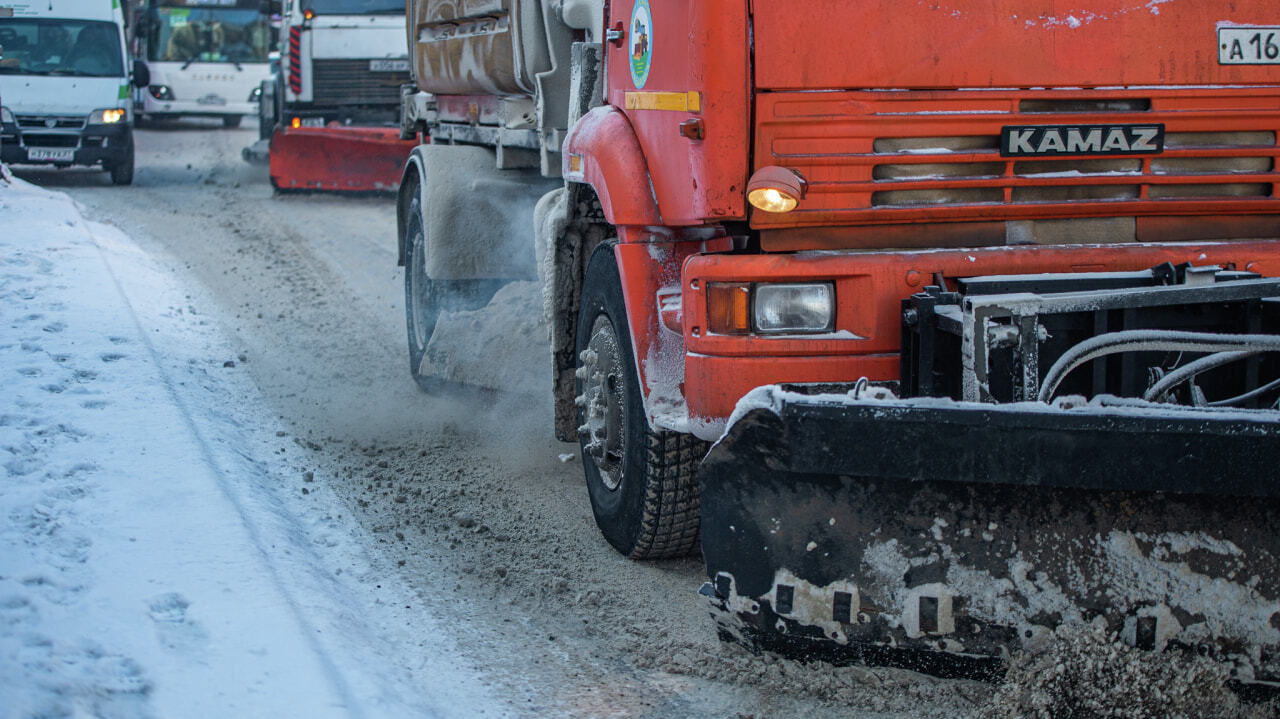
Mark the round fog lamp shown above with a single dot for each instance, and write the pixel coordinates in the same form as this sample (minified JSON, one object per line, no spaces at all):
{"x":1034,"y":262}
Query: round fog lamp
{"x":776,"y":189}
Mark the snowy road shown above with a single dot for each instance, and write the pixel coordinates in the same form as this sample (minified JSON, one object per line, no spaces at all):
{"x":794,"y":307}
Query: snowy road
{"x":226,"y":494}
{"x":150,"y":564}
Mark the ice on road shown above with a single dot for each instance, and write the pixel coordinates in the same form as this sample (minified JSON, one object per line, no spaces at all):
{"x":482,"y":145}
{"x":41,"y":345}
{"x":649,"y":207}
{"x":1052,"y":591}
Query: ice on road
{"x":157,"y":557}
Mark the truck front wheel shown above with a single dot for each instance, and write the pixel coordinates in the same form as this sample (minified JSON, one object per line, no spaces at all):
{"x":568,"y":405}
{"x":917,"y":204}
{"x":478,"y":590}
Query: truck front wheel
{"x":642,"y":481}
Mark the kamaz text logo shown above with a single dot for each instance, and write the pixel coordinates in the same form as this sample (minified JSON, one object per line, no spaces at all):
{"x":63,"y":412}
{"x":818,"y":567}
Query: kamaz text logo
{"x":1021,"y":140}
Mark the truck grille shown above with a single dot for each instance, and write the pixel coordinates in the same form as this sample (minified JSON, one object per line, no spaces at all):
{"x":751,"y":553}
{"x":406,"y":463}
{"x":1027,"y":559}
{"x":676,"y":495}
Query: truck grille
{"x":349,"y":82}
{"x":51,"y":122}
{"x":902,"y":156}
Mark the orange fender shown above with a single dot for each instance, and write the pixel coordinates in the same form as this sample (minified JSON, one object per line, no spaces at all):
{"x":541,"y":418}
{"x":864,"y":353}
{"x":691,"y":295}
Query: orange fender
{"x":601,"y":150}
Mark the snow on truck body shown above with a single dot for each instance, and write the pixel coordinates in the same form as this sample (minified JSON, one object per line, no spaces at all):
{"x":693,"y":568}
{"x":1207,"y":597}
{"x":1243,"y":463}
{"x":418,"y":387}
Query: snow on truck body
{"x":1080,"y":207}
{"x":66,"y":85}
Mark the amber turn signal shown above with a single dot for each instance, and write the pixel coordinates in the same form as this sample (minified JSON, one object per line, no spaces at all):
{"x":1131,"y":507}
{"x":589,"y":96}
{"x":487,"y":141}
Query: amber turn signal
{"x":728,"y":308}
{"x":776,"y":189}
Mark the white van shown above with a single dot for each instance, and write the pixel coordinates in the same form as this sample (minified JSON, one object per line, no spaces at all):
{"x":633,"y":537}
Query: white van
{"x":64,"y":85}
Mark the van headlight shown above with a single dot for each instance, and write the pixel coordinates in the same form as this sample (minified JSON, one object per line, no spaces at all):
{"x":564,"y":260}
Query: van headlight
{"x":109,"y":116}
{"x":793,"y":308}
{"x":6,"y":116}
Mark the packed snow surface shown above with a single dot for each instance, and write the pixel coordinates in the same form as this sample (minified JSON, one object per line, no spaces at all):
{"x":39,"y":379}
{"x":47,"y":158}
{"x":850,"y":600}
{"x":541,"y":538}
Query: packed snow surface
{"x":150,"y":564}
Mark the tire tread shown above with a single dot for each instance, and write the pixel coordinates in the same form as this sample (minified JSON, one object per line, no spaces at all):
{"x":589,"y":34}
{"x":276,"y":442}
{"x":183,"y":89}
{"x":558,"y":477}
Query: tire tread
{"x":672,"y":512}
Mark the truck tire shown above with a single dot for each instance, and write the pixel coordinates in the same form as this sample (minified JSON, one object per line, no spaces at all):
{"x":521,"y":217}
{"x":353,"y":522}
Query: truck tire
{"x":267,"y":111}
{"x":122,"y":170}
{"x":425,"y":298}
{"x":642,"y":481}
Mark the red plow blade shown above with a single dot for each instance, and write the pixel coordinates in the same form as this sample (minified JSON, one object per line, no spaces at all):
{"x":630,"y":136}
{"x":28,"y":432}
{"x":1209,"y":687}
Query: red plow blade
{"x":344,"y":159}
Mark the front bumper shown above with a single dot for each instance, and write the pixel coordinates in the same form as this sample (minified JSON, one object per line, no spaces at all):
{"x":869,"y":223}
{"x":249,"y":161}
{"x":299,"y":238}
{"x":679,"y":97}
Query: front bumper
{"x":89,"y":145}
{"x":193,"y":108}
{"x":870,"y":287}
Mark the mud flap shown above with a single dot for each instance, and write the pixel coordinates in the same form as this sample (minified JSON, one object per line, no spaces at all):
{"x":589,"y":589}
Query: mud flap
{"x":943,"y":536}
{"x":347,"y":159}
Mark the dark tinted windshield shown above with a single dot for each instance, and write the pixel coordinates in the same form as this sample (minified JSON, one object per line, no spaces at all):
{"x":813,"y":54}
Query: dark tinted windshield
{"x":187,"y":34}
{"x":87,"y":48}
{"x":354,"y":7}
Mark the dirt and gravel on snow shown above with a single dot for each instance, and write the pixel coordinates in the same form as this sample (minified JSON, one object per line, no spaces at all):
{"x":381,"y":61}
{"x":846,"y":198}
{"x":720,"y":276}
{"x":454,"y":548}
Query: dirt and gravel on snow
{"x":481,"y":511}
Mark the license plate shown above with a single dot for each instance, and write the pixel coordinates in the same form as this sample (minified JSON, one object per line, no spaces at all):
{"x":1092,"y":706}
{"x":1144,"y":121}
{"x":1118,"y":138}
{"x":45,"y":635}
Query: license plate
{"x":54,"y":154}
{"x":388,"y":66}
{"x":212,"y":99}
{"x":1249,"y":46}
{"x":311,"y":122}
{"x":1041,"y":140}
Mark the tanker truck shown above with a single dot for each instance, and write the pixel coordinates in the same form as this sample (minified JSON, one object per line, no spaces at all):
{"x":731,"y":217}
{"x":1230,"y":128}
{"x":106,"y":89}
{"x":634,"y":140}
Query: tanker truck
{"x":934,"y":327}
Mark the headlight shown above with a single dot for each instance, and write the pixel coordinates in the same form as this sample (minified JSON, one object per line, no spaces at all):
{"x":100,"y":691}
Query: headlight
{"x":776,"y":189}
{"x":6,"y":116}
{"x":256,"y":95}
{"x":788,"y":308}
{"x":106,"y":117}
{"x":160,"y":92}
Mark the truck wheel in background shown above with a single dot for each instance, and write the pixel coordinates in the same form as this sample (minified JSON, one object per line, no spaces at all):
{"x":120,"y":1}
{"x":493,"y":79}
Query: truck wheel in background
{"x":425,"y":298}
{"x":122,"y":170}
{"x":642,"y":481}
{"x":267,"y":111}
{"x":231,"y":120}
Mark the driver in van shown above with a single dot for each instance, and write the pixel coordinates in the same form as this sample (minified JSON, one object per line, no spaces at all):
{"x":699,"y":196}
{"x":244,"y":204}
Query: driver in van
{"x":52,"y":44}
{"x":94,"y":52}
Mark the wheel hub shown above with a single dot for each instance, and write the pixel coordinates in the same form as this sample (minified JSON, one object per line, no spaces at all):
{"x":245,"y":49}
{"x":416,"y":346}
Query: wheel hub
{"x":602,"y":403}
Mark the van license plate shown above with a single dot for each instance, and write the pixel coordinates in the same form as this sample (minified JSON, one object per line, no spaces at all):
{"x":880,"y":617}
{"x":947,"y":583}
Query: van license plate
{"x":388,"y":66}
{"x":54,"y":154}
{"x":1249,"y":46}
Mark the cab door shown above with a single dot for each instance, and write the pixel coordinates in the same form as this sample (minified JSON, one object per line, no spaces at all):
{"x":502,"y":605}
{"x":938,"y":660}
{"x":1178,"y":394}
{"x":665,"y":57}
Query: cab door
{"x":679,"y":70}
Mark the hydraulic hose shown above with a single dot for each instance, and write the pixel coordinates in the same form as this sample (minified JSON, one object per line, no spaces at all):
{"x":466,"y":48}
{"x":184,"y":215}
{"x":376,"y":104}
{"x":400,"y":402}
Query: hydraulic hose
{"x":1150,"y":341}
{"x":1247,"y":395}
{"x":1176,"y":377}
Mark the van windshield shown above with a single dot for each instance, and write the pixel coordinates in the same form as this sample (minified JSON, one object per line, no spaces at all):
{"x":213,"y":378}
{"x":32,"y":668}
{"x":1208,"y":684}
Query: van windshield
{"x":84,"y":48}
{"x":354,"y":7}
{"x":187,"y":34}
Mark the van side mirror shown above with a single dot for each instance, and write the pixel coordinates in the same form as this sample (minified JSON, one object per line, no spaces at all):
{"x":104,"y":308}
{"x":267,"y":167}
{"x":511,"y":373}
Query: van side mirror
{"x":141,"y":74}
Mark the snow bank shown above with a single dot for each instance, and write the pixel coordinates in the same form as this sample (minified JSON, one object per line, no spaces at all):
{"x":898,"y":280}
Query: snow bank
{"x":153,"y":561}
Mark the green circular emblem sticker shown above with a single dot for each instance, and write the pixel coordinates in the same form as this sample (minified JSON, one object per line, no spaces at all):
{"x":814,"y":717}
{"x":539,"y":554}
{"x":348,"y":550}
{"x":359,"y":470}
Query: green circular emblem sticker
{"x":641,"y":43}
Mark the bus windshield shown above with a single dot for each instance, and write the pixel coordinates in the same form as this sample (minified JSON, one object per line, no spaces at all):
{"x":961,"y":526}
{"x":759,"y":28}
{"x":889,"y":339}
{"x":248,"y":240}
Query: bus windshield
{"x":207,"y":34}
{"x":354,"y":7}
{"x":85,"y":48}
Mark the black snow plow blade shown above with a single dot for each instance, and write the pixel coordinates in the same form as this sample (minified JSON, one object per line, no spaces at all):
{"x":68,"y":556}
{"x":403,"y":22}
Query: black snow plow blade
{"x":943,"y":536}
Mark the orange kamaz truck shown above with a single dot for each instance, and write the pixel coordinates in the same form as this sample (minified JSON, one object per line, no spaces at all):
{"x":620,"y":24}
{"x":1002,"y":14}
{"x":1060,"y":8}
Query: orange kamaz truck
{"x":933,"y":326}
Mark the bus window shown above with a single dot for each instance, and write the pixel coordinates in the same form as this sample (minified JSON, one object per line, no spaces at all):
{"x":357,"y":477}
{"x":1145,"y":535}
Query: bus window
{"x":182,"y":32}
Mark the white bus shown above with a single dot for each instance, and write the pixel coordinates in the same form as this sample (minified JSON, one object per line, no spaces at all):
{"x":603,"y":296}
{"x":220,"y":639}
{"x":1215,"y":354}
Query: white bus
{"x":206,"y":57}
